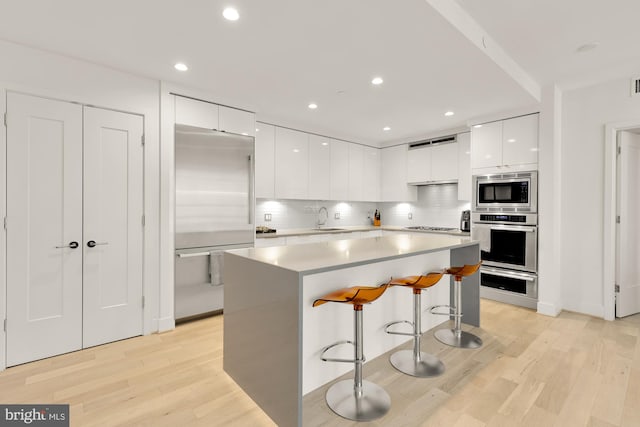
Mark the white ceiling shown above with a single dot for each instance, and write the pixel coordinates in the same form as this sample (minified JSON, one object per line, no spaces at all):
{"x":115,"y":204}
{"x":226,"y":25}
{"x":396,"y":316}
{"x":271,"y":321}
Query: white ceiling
{"x":281,"y":55}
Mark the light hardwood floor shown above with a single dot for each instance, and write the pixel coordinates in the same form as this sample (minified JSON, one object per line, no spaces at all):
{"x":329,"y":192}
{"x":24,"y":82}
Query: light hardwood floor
{"x":532,"y":371}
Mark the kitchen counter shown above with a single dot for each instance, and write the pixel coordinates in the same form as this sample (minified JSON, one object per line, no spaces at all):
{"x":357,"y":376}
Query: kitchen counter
{"x":273,"y":336}
{"x":350,"y":229}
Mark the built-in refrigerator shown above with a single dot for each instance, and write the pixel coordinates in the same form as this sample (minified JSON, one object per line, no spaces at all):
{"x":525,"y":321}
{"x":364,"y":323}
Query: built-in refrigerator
{"x":214,"y":212}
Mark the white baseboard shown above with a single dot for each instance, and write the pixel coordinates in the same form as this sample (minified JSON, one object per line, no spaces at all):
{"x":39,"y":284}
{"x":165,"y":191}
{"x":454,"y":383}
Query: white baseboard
{"x":548,"y":309}
{"x":166,"y":324}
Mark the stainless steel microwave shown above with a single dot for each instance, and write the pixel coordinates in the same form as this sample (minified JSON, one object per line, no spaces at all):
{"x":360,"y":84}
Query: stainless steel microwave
{"x":508,"y":192}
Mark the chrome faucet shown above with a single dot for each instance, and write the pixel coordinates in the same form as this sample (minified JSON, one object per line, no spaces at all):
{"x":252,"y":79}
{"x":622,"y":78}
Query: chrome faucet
{"x":320,"y":222}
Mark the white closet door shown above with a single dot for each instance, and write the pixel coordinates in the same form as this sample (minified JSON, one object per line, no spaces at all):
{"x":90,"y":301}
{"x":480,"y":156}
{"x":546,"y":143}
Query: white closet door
{"x":628,"y":250}
{"x":113,"y":208}
{"x":44,"y":217}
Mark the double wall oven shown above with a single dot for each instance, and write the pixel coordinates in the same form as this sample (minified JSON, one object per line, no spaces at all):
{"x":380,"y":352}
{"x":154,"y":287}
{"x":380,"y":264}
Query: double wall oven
{"x":505,"y":222}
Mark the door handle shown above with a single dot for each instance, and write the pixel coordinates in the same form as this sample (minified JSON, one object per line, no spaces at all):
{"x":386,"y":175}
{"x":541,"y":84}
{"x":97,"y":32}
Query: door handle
{"x":71,"y":245}
{"x":93,"y":243}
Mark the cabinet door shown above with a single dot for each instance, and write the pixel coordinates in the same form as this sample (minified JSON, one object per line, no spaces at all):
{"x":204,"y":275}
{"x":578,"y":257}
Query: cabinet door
{"x":371,"y":174}
{"x":319,"y":167}
{"x":339,"y":170}
{"x":486,"y":145}
{"x":444,"y":162}
{"x":394,"y":175}
{"x":292,"y":161}
{"x":356,"y":172}
{"x":236,"y":121}
{"x":265,"y":160}
{"x":419,"y":164}
{"x":520,"y":140}
{"x":464,"y":166}
{"x":196,"y":113}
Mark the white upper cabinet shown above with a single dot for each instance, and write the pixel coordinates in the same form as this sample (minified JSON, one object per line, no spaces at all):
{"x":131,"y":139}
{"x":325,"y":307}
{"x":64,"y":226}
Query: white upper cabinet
{"x":432,"y":163}
{"x":237,"y":121}
{"x":520,"y":140}
{"x":510,"y":144}
{"x":464,"y":166}
{"x":394,"y":175}
{"x":486,"y":145}
{"x":339,"y":170}
{"x":419,"y":164}
{"x":444,"y":162}
{"x":356,"y":172}
{"x":291,"y":164}
{"x":265,"y":161}
{"x":371,"y":176}
{"x":319,"y":167}
{"x":196,"y":113}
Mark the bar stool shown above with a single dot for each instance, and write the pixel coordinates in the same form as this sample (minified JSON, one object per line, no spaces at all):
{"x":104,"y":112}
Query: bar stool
{"x":415,"y":363}
{"x":456,"y":337}
{"x":358,"y":400}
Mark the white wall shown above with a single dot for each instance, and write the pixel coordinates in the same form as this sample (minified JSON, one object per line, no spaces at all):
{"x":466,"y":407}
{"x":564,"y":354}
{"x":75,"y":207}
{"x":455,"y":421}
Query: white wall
{"x":585,"y":112}
{"x":45,"y":74}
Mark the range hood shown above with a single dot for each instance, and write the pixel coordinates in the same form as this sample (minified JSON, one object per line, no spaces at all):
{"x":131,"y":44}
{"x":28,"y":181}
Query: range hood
{"x":426,"y":156}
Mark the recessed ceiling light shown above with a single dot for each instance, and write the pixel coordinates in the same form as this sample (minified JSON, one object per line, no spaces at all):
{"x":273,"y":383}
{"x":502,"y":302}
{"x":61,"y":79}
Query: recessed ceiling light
{"x":313,"y":106}
{"x":477,"y":126}
{"x":386,"y":128}
{"x":245,"y":134}
{"x":377,"y":81}
{"x":180,"y":67}
{"x":295,"y":150}
{"x":511,"y":140}
{"x":325,"y":143}
{"x":257,"y":130}
{"x":231,"y":14}
{"x":587,"y":47}
{"x":449,"y":113}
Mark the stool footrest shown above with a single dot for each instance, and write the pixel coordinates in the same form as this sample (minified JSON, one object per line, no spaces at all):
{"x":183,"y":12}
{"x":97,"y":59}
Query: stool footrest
{"x":331,"y":359}
{"x":452,"y":311}
{"x":388,"y":325}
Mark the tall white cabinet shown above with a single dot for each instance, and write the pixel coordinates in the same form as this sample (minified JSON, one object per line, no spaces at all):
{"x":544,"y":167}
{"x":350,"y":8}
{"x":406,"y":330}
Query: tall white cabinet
{"x":291,"y":164}
{"x":265,"y":160}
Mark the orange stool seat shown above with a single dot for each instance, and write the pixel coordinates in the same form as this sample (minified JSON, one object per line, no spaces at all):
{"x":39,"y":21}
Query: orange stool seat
{"x":415,"y":363}
{"x":356,"y":295}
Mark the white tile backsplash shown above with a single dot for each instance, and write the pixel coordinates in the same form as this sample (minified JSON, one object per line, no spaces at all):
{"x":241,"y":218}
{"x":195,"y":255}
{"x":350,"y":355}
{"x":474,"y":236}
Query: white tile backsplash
{"x":304,"y":213}
{"x":437,"y":206}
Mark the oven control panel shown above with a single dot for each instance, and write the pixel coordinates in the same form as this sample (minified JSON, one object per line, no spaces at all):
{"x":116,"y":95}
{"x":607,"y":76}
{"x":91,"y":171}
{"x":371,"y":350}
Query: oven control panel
{"x":504,"y":218}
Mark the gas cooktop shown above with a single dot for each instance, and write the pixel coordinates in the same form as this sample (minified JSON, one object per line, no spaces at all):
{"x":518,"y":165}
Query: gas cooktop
{"x":426,"y":228}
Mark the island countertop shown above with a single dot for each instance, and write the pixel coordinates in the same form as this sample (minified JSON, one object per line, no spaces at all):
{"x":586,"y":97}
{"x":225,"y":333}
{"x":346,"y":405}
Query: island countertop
{"x":324,"y":256}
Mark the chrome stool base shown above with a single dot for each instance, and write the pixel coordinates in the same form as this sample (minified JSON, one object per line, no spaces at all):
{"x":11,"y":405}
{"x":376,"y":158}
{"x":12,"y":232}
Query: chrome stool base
{"x":464,"y":340}
{"x":371,"y":403}
{"x":428,"y":365}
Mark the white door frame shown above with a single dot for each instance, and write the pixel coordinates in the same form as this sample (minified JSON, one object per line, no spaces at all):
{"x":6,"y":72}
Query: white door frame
{"x":610,"y":207}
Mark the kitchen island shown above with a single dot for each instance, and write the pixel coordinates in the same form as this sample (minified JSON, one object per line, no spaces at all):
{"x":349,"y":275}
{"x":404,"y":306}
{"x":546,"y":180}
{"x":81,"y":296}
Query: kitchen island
{"x":273,"y":336}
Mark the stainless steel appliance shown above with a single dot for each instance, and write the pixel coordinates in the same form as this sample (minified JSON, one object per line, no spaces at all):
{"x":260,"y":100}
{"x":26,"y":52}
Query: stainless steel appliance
{"x":509,"y":192}
{"x":214,"y":212}
{"x":465,"y":221}
{"x":505,"y":222}
{"x":507,"y":240}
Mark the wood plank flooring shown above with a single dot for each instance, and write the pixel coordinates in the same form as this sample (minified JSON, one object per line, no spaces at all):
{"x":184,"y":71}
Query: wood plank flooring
{"x":573,"y":370}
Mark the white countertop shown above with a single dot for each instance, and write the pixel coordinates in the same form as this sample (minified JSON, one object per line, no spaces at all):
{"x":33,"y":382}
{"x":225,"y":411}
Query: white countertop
{"x":323,"y":256}
{"x":350,"y":229}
